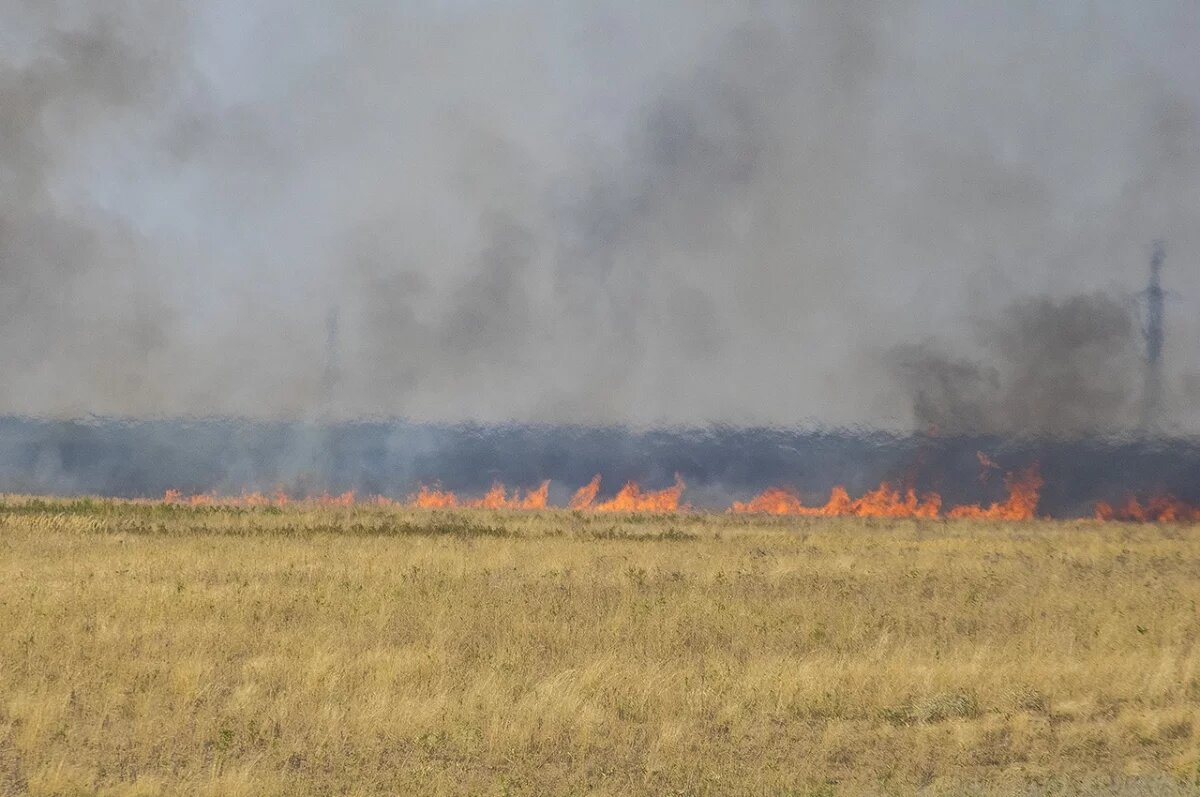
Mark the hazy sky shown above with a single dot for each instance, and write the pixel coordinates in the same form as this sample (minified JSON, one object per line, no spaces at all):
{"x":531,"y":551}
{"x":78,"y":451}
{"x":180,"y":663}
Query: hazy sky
{"x":669,"y":212}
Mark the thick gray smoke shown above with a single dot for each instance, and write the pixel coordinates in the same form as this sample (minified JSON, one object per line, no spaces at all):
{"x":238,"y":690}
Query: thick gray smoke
{"x":1052,"y":368}
{"x":596,"y":212}
{"x":80,"y":310}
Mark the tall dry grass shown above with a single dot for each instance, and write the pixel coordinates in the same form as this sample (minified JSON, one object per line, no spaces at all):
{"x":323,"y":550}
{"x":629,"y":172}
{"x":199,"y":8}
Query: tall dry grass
{"x":163,"y":650}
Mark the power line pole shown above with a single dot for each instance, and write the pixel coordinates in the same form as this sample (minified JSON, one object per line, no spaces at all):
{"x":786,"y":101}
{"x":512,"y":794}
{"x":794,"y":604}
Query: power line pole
{"x":332,"y":373}
{"x":1153,"y":332}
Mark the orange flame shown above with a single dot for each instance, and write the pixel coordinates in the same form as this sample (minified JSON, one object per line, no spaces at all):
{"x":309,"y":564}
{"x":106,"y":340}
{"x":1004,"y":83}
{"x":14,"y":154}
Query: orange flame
{"x":497,"y":498}
{"x":201,"y":499}
{"x":772,"y":501}
{"x":986,"y":465}
{"x":345,"y":499}
{"x":253,"y":499}
{"x":425,"y":498}
{"x":586,"y":494}
{"x":887,"y":502}
{"x":1158,"y":509}
{"x":1024,"y":491}
{"x":431,"y":498}
{"x":631,"y":498}
{"x":536,"y":499}
{"x":884,"y":501}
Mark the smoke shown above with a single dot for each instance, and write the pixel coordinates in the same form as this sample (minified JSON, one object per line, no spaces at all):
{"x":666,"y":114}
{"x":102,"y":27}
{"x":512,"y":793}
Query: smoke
{"x":595,"y":213}
{"x":1055,"y":368}
{"x":948,"y":393}
{"x":1191,"y":386}
{"x":80,"y":314}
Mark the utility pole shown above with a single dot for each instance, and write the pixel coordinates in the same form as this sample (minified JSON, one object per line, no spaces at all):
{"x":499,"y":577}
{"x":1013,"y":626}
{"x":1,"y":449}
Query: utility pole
{"x":1153,"y":332}
{"x":331,"y":375}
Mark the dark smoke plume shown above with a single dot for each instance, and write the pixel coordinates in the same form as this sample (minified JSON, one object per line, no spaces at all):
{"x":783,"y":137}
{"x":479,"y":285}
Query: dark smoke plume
{"x":1058,"y":368}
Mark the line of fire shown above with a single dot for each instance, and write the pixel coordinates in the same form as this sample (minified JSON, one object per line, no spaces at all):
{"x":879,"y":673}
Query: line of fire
{"x":1147,"y":476}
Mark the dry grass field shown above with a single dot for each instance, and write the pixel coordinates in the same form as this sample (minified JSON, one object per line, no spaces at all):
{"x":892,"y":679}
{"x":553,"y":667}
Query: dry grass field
{"x":152,"y":650}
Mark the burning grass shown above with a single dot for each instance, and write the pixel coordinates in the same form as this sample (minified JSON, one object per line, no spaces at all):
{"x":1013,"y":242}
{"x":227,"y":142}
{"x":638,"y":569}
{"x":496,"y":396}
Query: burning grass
{"x":309,"y":649}
{"x":1023,"y":489}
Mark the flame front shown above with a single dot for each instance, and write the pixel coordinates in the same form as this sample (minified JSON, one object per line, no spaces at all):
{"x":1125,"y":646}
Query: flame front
{"x":1158,"y":509}
{"x":632,"y":498}
{"x":885,"y":501}
{"x":882,"y":502}
{"x":1024,"y":490}
{"x":498,"y":498}
{"x":888,"y":502}
{"x":254,"y":499}
{"x":586,"y":494}
{"x":772,"y":501}
{"x":432,"y":498}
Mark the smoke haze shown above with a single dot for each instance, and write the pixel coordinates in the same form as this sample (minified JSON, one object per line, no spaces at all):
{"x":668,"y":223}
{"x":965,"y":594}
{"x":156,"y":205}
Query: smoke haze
{"x":1052,"y":368}
{"x":848,"y":213}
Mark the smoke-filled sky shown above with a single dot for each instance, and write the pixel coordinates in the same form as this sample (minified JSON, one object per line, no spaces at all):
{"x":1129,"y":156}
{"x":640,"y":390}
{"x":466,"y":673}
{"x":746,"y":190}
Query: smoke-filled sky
{"x":879,"y":213}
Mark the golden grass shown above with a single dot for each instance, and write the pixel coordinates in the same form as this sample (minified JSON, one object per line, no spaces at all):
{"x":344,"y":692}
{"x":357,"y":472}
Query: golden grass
{"x":165,"y":650}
